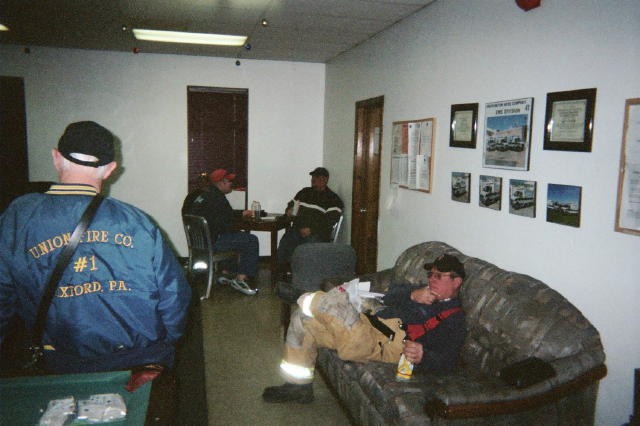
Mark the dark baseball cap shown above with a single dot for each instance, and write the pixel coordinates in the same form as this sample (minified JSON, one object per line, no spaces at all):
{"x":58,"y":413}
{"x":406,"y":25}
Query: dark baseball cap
{"x":447,"y":263}
{"x":319,"y":171}
{"x":89,"y":138}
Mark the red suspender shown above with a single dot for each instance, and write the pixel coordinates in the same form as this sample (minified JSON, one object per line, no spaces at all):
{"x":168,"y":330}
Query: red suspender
{"x":415,"y":331}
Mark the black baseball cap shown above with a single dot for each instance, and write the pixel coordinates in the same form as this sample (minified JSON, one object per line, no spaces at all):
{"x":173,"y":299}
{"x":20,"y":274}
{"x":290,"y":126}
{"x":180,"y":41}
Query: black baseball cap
{"x":319,"y":171}
{"x":447,"y":263}
{"x":89,"y":138}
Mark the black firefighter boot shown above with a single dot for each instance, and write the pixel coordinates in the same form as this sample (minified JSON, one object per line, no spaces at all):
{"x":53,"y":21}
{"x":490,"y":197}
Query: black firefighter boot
{"x":289,"y":392}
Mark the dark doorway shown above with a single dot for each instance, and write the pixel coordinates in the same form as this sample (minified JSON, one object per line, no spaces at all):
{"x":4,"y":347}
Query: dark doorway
{"x":14,"y":165}
{"x":366,"y":183}
{"x":217,"y":132}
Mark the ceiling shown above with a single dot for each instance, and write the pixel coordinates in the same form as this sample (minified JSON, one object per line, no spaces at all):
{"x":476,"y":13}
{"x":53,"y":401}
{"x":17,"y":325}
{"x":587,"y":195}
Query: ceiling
{"x":297,"y":30}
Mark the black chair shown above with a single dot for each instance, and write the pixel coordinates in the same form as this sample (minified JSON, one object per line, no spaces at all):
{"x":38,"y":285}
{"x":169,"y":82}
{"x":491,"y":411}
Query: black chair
{"x":312,"y":265}
{"x":201,"y":255}
{"x":284,"y":269}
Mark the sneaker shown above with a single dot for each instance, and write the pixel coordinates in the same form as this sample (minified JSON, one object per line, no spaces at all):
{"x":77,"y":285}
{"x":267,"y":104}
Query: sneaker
{"x":243,"y":287}
{"x":289,"y":392}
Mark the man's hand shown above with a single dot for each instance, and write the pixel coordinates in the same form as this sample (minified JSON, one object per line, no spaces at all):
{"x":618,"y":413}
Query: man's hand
{"x":424,"y":295}
{"x":305,"y":232}
{"x":247,"y":213}
{"x":413,"y":351}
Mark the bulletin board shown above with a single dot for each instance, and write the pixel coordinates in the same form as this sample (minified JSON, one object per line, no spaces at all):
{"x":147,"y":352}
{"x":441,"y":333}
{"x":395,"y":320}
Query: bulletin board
{"x":628,"y":206}
{"x":412,"y":155}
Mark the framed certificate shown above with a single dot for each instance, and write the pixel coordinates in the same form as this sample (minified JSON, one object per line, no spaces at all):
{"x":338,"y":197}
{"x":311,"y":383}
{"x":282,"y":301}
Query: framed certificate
{"x":569,"y":120}
{"x":464,"y":125}
{"x":628,"y":205}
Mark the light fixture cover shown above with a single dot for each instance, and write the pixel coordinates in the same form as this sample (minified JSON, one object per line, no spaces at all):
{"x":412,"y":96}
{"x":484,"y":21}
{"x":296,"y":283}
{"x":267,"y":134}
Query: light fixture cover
{"x":189,"y":38}
{"x":4,"y":28}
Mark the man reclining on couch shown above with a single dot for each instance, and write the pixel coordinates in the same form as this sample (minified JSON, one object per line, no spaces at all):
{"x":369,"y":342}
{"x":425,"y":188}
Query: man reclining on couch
{"x":431,"y":314}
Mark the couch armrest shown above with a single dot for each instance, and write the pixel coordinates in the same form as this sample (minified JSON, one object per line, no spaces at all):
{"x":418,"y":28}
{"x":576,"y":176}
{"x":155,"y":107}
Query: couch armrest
{"x":490,"y":396}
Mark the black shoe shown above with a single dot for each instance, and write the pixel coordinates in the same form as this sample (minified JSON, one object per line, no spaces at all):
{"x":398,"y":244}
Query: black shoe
{"x":288,"y":292}
{"x":289,"y":392}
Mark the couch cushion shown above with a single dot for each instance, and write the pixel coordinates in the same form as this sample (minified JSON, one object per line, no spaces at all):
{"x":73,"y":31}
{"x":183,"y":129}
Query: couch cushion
{"x":367,"y":388}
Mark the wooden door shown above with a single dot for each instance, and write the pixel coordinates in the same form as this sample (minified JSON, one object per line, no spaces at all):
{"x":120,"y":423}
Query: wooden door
{"x":217,"y":132}
{"x":366,"y":183}
{"x":14,"y":164}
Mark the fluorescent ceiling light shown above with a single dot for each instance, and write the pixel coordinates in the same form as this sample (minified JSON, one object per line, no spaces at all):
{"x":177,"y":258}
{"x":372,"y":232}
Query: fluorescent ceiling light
{"x":191,"y":38}
{"x":3,"y":28}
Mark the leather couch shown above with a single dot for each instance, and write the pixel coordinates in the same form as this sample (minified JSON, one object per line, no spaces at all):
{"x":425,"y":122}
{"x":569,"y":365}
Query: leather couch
{"x":510,"y":317}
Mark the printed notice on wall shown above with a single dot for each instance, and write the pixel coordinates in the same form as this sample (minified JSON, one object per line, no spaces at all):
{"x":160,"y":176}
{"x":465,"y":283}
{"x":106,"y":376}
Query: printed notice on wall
{"x":412,"y":156}
{"x":628,"y":218}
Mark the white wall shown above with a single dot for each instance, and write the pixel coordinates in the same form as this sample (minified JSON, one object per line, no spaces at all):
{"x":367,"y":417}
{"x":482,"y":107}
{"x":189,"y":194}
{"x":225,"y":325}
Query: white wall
{"x":467,"y":51}
{"x":142,"y":99}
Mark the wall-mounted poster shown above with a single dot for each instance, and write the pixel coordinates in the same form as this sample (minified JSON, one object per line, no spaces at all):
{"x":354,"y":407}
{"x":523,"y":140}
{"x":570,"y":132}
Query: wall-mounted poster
{"x":522,"y":197}
{"x":563,"y":204}
{"x":461,"y":187}
{"x":507,"y":134}
{"x":412,"y":156}
{"x":490,"y":192}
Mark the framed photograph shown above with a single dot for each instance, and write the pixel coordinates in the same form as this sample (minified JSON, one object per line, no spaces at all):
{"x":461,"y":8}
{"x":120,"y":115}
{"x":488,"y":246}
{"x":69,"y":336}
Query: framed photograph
{"x":569,"y":120}
{"x":412,"y":154}
{"x":522,"y":197}
{"x":461,"y":187}
{"x":563,"y":204}
{"x":490,"y":192}
{"x":464,"y":125}
{"x":628,"y":204}
{"x":507,"y":134}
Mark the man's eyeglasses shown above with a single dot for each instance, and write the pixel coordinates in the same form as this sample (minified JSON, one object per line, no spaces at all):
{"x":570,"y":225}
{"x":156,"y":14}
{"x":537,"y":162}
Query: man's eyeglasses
{"x":439,"y":275}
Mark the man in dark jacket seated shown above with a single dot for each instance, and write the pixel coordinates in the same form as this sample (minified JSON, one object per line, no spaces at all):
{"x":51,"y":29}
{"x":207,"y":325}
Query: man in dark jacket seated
{"x":210,"y":201}
{"x":314,"y":210}
{"x":430,"y":316}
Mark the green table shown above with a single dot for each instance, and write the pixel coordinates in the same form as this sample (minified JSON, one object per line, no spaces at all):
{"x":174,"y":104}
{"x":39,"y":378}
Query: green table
{"x":24,"y":399}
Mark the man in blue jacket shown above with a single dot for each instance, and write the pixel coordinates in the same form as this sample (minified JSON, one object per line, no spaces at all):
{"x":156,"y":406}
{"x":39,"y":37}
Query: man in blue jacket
{"x":123,"y":299}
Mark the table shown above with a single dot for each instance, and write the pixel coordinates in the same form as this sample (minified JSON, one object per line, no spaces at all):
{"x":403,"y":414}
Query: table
{"x":22,"y":398}
{"x":271,"y":223}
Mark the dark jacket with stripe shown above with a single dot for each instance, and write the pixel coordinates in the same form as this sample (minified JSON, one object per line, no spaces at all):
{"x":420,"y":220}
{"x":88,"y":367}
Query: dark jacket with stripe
{"x":318,"y":210}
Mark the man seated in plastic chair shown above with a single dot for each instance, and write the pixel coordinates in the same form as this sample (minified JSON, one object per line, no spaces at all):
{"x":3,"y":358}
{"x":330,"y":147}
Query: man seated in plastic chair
{"x":211,"y":202}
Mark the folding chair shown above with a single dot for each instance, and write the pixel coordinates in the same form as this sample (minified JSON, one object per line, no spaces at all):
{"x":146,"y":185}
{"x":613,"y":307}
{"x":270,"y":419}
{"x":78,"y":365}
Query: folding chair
{"x":201,"y":255}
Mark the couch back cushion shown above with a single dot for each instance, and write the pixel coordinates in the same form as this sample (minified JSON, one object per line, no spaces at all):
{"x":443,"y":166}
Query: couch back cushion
{"x":510,"y":316}
{"x":312,"y":263}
